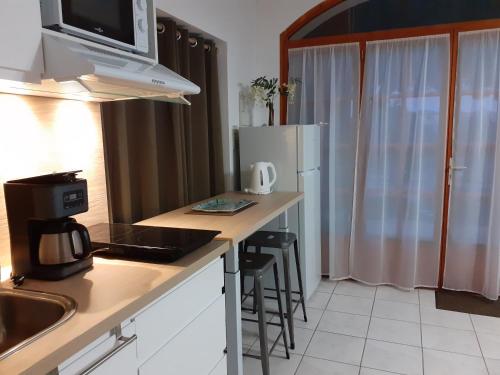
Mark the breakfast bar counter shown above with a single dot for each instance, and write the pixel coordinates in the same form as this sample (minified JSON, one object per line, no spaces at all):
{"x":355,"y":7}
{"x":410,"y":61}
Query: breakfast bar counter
{"x":235,"y":229}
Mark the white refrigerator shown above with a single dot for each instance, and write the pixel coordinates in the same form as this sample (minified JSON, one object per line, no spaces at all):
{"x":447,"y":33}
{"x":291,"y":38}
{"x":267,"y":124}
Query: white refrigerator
{"x":295,"y":152}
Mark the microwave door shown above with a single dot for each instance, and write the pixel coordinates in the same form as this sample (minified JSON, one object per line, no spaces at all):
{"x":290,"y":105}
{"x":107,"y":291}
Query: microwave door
{"x":110,"y":19}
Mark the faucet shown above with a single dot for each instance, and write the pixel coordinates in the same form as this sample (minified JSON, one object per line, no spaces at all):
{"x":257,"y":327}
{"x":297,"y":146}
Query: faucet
{"x":16,"y":280}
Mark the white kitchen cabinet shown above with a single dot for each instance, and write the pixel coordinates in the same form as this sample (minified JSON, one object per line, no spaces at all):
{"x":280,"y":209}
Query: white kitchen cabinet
{"x":21,"y":56}
{"x":121,"y":360}
{"x":166,"y":317}
{"x":181,"y":333}
{"x":196,"y":349}
{"x":107,"y":355}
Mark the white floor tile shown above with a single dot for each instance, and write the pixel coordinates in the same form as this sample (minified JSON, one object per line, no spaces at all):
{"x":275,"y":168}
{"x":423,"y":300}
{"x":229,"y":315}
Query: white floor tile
{"x":250,"y":333}
{"x":444,"y":363}
{"x":395,"y":331}
{"x":427,"y":297}
{"x":279,"y":365}
{"x":354,"y":288}
{"x":486,"y":324}
{"x":313,"y":318}
{"x":445,"y":318}
{"x":370,"y":371}
{"x":396,"y":310}
{"x":302,"y":338}
{"x":390,"y":293}
{"x":318,"y":300}
{"x":335,"y":347}
{"x":493,"y":366}
{"x":350,"y":304}
{"x":391,"y":357}
{"x":490,"y":345}
{"x":315,"y":366}
{"x":395,"y":335}
{"x":326,"y":286}
{"x":347,"y":324}
{"x":450,"y":340}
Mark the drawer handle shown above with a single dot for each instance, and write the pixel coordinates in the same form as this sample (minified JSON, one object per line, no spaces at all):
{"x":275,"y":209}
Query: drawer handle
{"x":124,"y":342}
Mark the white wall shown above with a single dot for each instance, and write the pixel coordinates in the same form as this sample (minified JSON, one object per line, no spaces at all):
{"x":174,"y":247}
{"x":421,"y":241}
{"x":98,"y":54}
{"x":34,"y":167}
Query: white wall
{"x":273,"y":17}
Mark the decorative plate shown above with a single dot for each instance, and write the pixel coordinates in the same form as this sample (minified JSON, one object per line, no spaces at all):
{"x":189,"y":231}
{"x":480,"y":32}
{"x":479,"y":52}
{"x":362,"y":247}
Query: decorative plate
{"x":222,"y":205}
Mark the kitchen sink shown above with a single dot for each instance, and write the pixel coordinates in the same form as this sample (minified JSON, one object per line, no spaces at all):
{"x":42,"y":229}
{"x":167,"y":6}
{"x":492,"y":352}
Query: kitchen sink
{"x":27,"y":315}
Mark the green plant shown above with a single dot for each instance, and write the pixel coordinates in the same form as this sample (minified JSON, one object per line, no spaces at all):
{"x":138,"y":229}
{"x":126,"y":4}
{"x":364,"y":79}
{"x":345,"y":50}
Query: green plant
{"x":264,"y":90}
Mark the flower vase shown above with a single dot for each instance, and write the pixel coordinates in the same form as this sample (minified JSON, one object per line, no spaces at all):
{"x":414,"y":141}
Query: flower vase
{"x":270,"y":121}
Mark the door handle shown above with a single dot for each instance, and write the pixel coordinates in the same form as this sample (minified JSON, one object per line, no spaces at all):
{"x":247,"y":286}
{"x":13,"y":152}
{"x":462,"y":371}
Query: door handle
{"x":452,"y":169}
{"x":455,"y":168}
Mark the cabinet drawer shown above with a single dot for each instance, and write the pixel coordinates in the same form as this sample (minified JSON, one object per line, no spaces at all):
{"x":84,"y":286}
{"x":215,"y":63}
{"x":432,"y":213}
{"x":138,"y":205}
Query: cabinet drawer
{"x":106,"y":355}
{"x":221,"y":368}
{"x":121,"y":360}
{"x":195,"y":350}
{"x":161,"y":321}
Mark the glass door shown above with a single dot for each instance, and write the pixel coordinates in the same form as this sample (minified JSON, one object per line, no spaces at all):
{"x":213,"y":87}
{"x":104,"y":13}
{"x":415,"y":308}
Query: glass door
{"x":396,"y":234}
{"x":473,"y":240}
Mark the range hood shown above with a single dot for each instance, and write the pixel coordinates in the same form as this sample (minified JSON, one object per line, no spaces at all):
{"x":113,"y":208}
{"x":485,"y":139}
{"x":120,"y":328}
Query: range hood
{"x":78,"y":71}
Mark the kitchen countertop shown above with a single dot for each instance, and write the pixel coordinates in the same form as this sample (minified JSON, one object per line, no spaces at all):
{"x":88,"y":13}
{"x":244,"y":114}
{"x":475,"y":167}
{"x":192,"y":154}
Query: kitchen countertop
{"x":109,"y":293}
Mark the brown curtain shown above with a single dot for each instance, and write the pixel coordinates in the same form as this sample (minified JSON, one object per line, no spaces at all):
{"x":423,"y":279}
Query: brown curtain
{"x":161,"y":156}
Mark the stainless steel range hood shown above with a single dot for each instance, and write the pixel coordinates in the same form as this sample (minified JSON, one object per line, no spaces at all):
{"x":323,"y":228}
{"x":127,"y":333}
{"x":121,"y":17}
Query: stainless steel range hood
{"x":77,"y":71}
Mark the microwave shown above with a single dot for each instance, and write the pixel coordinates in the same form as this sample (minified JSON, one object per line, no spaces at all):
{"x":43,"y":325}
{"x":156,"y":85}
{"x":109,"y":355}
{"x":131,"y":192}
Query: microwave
{"x":118,"y":23}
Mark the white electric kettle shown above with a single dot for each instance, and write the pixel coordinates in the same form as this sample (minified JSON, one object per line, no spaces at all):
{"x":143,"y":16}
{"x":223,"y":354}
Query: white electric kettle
{"x":259,"y":178}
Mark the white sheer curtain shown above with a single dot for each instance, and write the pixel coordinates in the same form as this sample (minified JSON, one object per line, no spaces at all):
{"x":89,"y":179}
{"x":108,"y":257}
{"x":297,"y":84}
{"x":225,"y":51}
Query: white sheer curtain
{"x":473,"y":244}
{"x":400,"y":170}
{"x":328,"y":91}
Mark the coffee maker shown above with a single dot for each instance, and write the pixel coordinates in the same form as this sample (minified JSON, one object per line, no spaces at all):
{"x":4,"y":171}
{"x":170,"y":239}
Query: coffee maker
{"x":46,"y":243}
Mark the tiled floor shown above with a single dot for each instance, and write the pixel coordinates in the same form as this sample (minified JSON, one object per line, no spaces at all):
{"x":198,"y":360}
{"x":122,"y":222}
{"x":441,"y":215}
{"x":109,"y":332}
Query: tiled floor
{"x":354,"y":329}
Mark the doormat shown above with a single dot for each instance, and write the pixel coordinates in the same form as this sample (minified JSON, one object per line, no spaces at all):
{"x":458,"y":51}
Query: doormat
{"x":466,"y":302}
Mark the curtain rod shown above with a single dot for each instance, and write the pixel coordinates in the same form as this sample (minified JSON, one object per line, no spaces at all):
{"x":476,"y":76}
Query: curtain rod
{"x":193,"y":42}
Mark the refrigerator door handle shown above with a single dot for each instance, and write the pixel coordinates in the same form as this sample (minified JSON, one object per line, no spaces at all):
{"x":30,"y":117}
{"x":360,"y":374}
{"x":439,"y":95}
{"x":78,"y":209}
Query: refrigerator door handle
{"x":308,"y":172}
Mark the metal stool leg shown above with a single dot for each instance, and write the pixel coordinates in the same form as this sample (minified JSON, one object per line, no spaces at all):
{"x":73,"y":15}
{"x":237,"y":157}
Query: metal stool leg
{"x":254,"y":298}
{"x":288,"y":292}
{"x":280,"y":309}
{"x":242,"y":248}
{"x":264,"y":350}
{"x":242,"y":287}
{"x":257,"y":251}
{"x":299,"y":276}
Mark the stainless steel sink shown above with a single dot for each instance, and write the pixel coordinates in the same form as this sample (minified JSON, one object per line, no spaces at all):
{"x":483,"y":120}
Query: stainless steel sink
{"x":26,"y":316}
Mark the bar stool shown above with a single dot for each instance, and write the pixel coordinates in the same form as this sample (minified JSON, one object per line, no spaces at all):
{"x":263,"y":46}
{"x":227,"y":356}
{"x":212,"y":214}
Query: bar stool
{"x":256,"y":265}
{"x":282,"y":241}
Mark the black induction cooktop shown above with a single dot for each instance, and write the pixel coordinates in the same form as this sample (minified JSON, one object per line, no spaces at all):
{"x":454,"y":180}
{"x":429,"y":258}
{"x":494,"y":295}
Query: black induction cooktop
{"x":146,"y":243}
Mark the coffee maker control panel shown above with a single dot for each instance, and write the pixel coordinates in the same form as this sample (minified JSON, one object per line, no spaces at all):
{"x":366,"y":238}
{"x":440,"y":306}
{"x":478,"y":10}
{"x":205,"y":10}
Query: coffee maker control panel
{"x":72,"y":199}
